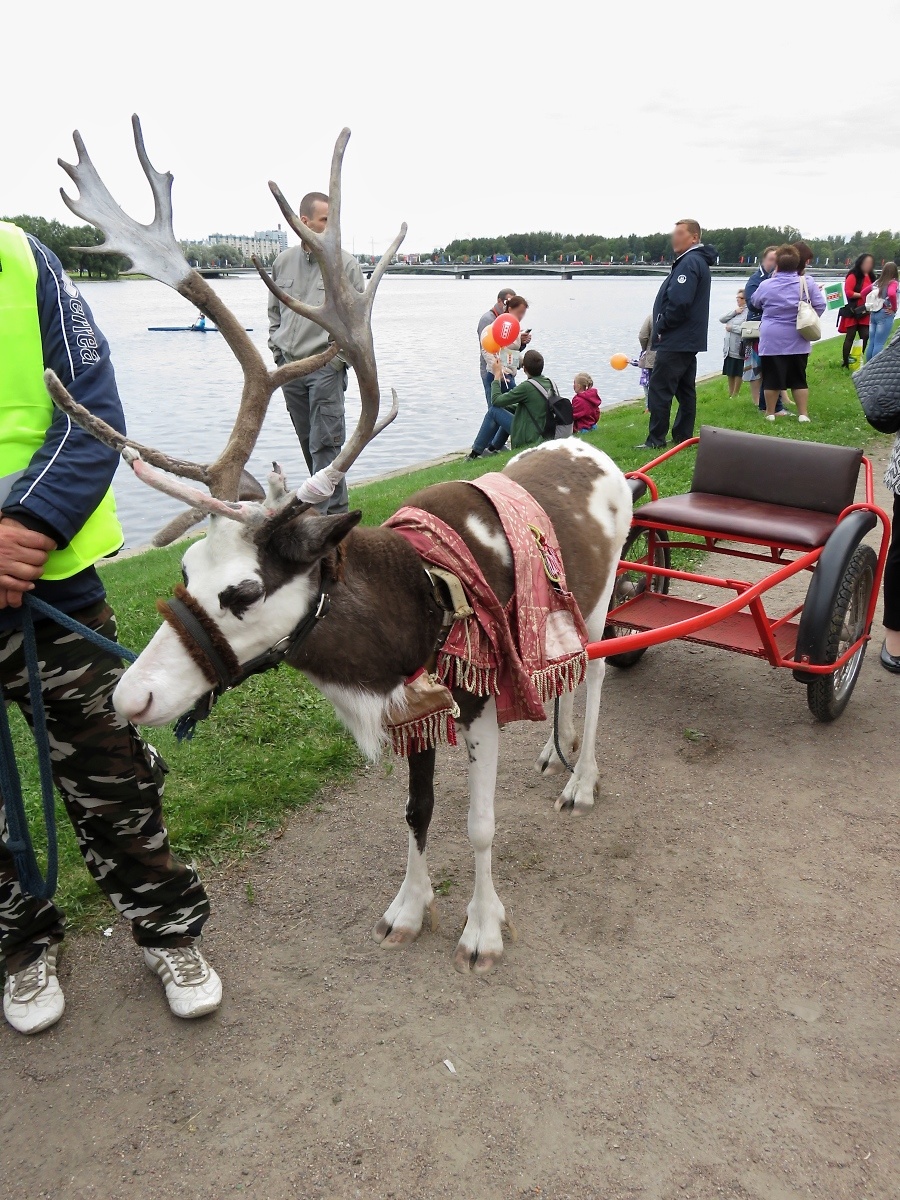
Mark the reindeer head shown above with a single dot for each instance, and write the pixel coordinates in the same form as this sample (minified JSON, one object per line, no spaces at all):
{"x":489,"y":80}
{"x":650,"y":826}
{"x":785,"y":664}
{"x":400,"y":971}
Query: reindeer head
{"x":249,"y":584}
{"x":259,"y":573}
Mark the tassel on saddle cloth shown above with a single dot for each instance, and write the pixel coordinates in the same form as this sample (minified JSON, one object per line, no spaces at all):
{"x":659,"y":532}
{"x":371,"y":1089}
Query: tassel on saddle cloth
{"x":533,"y":649}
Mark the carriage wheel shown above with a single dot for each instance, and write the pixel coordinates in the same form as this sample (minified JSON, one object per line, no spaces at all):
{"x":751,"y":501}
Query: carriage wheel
{"x":634,"y":583}
{"x":828,"y":695}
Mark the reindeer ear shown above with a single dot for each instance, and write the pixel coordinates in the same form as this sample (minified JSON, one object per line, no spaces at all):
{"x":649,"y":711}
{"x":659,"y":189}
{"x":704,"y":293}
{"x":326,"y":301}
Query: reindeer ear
{"x":303,"y":537}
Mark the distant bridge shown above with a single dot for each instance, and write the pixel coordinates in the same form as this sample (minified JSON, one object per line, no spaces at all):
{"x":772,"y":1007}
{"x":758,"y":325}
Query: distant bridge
{"x":560,"y":270}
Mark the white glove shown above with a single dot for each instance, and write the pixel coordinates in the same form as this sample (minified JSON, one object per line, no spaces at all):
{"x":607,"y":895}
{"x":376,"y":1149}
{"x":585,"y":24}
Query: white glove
{"x":320,"y":486}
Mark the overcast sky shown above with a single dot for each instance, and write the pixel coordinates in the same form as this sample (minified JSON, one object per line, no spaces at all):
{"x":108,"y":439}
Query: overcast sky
{"x":467,"y":119}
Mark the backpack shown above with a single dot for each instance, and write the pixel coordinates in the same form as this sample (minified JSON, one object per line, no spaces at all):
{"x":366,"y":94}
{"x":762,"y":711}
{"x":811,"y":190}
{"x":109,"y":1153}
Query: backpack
{"x":874,"y":300}
{"x":560,"y":419}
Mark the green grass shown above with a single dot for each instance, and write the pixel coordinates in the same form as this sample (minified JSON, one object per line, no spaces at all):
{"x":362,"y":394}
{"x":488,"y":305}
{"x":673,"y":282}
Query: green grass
{"x":269,"y":747}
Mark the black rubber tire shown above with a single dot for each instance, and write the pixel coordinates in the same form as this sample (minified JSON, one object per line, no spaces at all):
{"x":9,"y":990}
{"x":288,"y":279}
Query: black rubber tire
{"x":828,"y":695}
{"x":636,"y":547}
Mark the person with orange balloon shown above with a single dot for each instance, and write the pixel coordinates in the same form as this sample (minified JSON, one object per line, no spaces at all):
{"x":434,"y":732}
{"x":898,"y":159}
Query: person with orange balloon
{"x":485,"y":322}
{"x":502,"y":342}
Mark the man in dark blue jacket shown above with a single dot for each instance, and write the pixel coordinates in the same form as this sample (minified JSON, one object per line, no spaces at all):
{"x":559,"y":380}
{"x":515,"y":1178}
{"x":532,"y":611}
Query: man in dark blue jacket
{"x":54,"y":487}
{"x":680,"y":325}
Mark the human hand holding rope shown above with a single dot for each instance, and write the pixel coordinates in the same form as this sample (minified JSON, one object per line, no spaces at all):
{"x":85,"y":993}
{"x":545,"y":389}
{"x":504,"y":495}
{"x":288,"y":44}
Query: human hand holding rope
{"x":23,"y":556}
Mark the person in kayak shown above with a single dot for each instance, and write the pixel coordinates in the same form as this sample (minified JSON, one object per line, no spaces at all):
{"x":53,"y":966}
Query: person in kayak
{"x":200,"y":323}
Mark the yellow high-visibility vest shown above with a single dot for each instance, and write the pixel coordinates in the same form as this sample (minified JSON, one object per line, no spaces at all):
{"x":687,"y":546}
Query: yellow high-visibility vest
{"x":26,"y":409}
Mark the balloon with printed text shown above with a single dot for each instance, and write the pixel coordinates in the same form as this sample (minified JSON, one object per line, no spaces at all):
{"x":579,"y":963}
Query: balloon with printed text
{"x":505,"y":330}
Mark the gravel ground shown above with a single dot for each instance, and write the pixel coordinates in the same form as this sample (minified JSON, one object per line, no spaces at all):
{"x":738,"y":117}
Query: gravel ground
{"x":702,"y":1001}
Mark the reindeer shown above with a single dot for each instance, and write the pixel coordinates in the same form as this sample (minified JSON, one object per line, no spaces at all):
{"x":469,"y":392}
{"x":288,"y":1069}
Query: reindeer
{"x":350,"y":607}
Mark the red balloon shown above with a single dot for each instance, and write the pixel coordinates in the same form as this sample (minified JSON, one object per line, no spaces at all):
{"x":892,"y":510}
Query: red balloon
{"x":505,"y":330}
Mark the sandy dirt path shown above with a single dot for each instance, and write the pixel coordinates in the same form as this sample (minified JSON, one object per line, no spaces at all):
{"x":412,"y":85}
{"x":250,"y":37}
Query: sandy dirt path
{"x":703,"y":1000}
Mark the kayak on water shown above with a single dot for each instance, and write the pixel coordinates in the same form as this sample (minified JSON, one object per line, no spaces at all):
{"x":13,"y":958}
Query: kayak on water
{"x":186,"y":329}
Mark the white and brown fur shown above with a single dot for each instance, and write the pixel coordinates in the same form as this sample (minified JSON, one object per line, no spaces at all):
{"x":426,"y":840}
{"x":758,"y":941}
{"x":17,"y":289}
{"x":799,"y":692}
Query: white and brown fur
{"x":257,"y":581}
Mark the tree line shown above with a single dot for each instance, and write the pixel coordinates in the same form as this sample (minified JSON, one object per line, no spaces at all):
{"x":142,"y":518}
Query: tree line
{"x":734,"y":246}
{"x":66,"y":241}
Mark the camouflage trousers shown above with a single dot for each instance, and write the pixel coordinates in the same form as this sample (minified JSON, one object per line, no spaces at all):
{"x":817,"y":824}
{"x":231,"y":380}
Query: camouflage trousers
{"x":111,"y":783}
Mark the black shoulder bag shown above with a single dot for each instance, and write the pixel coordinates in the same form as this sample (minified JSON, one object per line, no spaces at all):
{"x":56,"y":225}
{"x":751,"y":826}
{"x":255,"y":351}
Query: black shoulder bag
{"x":877,"y":384}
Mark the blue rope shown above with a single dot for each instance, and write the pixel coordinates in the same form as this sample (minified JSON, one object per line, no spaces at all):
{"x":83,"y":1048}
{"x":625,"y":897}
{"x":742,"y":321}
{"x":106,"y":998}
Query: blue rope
{"x":89,"y":635}
{"x":18,"y":839}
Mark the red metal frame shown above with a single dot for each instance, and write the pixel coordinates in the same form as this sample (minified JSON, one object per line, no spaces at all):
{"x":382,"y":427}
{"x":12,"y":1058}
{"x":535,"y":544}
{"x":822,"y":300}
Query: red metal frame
{"x":748,"y":595}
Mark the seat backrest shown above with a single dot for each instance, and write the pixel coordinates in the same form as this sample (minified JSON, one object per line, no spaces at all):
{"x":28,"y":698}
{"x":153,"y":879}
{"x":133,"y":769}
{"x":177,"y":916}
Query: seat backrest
{"x":753,"y":466}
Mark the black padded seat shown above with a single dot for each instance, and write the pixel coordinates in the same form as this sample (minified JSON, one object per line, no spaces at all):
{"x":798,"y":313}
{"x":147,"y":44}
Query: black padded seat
{"x":749,"y":486}
{"x":774,"y":470}
{"x":740,"y":520}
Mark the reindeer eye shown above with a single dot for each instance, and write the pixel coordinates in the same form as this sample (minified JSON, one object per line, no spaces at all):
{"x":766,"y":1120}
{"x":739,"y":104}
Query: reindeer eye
{"x":240,"y":596}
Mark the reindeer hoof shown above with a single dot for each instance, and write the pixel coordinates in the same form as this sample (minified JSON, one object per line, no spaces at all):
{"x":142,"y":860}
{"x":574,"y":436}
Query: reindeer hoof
{"x":392,"y":936}
{"x":578,"y":795}
{"x":403,"y":921}
{"x":398,"y":937}
{"x":480,"y":962}
{"x":481,"y":945}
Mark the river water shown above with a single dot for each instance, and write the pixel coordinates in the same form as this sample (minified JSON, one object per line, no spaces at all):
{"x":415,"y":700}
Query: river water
{"x":181,"y":390}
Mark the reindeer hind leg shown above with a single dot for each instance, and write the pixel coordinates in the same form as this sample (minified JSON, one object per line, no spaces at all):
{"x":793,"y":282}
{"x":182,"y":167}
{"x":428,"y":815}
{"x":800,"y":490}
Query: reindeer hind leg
{"x":549,"y":762}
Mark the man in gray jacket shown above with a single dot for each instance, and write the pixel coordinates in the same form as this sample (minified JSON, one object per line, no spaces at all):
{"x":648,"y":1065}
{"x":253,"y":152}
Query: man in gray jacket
{"x":315,"y":402}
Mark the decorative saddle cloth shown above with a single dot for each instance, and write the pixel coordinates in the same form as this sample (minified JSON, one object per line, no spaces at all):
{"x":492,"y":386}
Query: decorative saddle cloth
{"x":524,"y":653}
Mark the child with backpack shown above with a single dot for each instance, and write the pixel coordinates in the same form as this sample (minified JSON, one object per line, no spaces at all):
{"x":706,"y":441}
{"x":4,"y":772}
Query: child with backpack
{"x":585,"y":403}
{"x":537,"y":408}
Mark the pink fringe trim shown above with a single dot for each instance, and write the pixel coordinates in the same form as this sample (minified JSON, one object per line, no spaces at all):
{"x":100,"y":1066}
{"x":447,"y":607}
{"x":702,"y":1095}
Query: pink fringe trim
{"x":415,"y":736}
{"x":440,"y":728}
{"x":561,"y":677}
{"x":456,"y":672}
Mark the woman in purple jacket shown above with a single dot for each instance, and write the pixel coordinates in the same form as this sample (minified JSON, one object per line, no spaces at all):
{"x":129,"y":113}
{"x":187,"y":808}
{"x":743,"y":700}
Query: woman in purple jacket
{"x":782,"y":350}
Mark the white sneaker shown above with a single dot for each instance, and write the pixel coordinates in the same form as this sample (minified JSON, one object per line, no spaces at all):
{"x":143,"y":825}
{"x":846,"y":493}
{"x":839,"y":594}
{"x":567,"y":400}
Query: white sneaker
{"x":770,"y":416}
{"x":193,"y":989}
{"x":32,"y":997}
{"x":803,"y":417}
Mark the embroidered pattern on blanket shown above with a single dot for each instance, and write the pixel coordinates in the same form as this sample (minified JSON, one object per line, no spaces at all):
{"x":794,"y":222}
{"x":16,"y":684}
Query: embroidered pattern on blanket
{"x":533,"y":649}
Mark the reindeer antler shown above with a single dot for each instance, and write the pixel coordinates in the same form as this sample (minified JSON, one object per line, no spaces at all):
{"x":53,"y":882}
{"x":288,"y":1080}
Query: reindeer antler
{"x":153,"y":250}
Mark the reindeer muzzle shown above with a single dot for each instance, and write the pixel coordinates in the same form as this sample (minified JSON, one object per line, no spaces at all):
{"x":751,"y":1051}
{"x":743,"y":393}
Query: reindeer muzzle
{"x":210,"y":650}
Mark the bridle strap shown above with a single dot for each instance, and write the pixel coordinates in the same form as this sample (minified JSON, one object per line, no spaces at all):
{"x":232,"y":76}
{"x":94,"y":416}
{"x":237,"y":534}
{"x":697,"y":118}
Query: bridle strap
{"x":219,"y":663}
{"x":193,"y":622}
{"x":288,"y":646}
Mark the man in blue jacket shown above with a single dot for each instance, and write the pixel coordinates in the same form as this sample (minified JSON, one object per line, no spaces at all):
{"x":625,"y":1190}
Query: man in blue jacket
{"x":680,"y":325}
{"x":57,"y":518}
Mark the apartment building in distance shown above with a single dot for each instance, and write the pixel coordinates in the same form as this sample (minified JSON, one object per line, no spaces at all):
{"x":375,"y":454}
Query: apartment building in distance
{"x":265,"y":243}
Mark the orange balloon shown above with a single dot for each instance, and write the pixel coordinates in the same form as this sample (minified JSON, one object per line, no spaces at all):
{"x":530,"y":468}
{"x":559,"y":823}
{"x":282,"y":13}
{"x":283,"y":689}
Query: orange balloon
{"x":489,"y":343}
{"x":619,"y":361}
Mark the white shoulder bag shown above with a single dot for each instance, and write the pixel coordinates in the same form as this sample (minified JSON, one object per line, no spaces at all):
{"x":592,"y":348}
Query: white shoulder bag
{"x":874,"y":300}
{"x":808,"y":325}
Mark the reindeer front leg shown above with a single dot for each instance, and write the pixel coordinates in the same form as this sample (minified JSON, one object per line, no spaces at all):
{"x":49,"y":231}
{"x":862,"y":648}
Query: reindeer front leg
{"x":402,"y":923}
{"x":481,"y":944}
